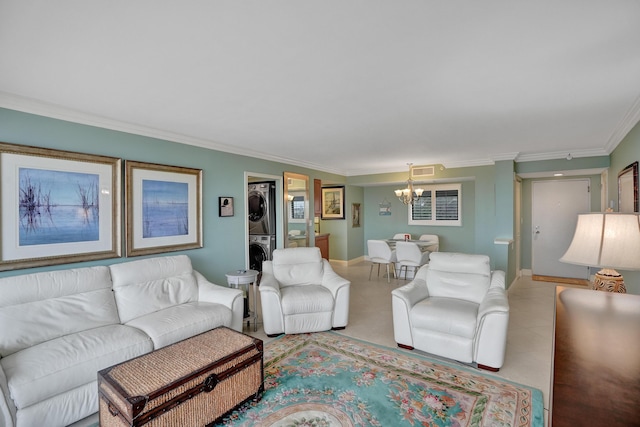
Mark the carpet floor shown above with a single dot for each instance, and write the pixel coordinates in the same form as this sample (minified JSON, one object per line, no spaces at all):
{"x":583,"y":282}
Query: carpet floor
{"x":327,"y":379}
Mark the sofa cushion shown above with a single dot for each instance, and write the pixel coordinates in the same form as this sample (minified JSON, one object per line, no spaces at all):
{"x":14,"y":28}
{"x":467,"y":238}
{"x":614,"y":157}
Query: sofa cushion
{"x":306,"y":299}
{"x":182,"y":321}
{"x":39,"y":307}
{"x":446,"y":315}
{"x":149,"y":285}
{"x":299,"y":266}
{"x":53,"y":367}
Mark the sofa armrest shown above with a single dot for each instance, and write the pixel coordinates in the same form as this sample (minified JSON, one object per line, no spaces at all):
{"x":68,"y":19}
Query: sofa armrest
{"x":229,"y":297}
{"x":332,"y":281}
{"x":7,"y":408}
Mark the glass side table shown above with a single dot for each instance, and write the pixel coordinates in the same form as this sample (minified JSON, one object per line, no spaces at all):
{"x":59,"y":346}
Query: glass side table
{"x":241,"y":279}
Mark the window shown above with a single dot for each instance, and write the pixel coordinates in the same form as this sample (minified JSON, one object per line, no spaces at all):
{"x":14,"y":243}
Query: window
{"x":296,"y":209}
{"x":438,"y":205}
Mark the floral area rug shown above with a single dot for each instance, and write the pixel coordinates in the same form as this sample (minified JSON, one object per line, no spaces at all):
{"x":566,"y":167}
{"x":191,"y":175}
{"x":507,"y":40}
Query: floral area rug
{"x":327,"y":379}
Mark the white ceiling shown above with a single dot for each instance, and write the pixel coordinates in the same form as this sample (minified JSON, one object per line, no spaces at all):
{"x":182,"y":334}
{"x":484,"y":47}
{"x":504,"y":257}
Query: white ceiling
{"x":344,"y":86}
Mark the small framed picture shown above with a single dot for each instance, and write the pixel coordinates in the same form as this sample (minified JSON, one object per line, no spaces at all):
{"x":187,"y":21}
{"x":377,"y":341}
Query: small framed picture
{"x":225,"y":206}
{"x":333,"y":202}
{"x":355,"y":214}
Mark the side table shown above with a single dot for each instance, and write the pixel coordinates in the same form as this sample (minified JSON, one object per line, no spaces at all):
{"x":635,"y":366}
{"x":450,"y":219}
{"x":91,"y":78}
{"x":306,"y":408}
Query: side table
{"x":242,"y":279}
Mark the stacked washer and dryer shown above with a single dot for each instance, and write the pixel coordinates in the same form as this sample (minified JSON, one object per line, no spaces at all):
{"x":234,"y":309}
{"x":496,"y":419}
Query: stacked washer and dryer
{"x":262,"y":222}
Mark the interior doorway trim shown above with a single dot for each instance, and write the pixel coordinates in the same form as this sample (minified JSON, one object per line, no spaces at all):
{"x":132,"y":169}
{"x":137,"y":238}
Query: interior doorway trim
{"x":279,"y":224}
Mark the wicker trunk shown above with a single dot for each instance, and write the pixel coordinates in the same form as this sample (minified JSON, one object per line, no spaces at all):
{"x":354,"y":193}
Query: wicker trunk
{"x":190,"y":383}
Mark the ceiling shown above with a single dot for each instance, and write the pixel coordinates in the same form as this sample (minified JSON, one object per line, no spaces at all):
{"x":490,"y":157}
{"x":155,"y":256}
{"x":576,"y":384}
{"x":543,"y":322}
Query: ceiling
{"x":343,"y":86}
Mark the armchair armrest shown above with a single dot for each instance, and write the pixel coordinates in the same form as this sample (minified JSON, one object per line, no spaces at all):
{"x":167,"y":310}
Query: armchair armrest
{"x":412,"y":293}
{"x":268,"y":283}
{"x":402,"y":301}
{"x":331,"y":280}
{"x":493,"y":323}
{"x":229,"y":297}
{"x":498,"y":279}
{"x":495,"y":301}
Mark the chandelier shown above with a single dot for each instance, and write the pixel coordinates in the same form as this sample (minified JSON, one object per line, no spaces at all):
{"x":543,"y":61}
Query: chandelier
{"x":409,"y":195}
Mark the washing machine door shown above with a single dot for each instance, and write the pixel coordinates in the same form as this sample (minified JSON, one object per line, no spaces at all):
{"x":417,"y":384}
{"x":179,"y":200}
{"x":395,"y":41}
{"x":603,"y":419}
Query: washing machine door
{"x":257,"y":254}
{"x":258,"y":213}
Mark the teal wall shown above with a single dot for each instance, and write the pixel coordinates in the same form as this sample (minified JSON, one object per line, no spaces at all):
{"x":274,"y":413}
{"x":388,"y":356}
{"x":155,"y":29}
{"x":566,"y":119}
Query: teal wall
{"x":487,"y":194}
{"x":478,"y":207}
{"x":627,"y":152}
{"x":223,"y":175}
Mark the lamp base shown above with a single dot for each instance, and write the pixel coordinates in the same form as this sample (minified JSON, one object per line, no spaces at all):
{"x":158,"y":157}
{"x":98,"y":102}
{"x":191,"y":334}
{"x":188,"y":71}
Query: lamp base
{"x":609,"y":280}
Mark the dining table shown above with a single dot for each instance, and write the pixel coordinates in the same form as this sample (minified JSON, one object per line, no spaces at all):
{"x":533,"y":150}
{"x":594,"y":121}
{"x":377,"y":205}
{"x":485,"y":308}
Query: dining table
{"x":422,"y":244}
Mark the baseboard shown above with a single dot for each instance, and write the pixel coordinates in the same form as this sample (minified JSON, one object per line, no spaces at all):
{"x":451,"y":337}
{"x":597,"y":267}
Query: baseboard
{"x":347,"y":263}
{"x":567,"y":280}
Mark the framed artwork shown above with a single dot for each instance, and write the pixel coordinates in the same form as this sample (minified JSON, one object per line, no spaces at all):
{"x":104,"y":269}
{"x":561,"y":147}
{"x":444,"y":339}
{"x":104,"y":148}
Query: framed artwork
{"x":333,"y":202}
{"x":163,"y":208}
{"x":225,"y":206}
{"x":384,"y":208}
{"x":58,"y":207}
{"x":628,"y":189}
{"x":355,"y":214}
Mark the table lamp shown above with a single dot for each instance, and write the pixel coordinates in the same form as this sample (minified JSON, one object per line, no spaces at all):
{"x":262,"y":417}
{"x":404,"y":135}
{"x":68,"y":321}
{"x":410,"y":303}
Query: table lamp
{"x":607,"y":240}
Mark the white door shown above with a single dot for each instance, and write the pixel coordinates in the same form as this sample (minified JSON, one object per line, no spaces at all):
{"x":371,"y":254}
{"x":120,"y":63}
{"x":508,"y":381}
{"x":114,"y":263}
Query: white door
{"x":556,"y":205}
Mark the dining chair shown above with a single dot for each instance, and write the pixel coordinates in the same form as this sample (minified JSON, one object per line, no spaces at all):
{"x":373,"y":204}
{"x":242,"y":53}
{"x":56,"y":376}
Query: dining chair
{"x":380,"y":253}
{"x":408,"y":255}
{"x":431,"y":238}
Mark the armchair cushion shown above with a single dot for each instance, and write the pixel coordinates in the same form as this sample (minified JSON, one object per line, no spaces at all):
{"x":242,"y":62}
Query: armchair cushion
{"x":446,"y":315}
{"x":299,"y":267}
{"x":461,"y":276}
{"x":306,"y":299}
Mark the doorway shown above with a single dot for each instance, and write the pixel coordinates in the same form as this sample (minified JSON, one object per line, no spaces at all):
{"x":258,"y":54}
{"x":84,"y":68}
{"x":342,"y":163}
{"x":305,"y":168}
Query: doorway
{"x":250,"y":177}
{"x":555,"y":208}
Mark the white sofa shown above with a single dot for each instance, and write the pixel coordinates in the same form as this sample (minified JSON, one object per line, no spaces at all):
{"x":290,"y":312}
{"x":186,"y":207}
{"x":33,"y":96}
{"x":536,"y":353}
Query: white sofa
{"x":58,"y":328}
{"x":455,"y":307}
{"x":301,"y":293}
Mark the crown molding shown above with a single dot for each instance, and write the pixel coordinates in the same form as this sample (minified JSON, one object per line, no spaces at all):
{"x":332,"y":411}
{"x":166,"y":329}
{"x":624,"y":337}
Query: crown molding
{"x":625,"y":125}
{"x":40,"y":108}
{"x":595,"y":152}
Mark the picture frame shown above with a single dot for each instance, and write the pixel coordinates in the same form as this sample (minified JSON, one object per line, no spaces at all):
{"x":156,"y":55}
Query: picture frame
{"x":355,"y":215}
{"x":628,"y":189}
{"x":333,"y":202}
{"x":163,"y":208}
{"x":225,"y":206}
{"x":58,"y":207}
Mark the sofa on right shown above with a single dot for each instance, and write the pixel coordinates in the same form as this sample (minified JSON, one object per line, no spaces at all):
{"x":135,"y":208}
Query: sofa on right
{"x":455,"y":307}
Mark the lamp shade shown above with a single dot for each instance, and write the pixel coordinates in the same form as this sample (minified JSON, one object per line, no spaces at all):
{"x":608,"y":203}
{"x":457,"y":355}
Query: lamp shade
{"x":610,"y":240}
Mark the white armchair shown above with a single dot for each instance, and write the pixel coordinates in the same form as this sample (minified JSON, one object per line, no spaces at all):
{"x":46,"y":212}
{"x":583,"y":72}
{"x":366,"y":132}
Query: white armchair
{"x":301,"y":293}
{"x":455,"y":307}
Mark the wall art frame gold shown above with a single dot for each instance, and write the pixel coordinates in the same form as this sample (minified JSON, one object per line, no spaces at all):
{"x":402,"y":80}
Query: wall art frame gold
{"x":58,"y":207}
{"x":163,"y":208}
